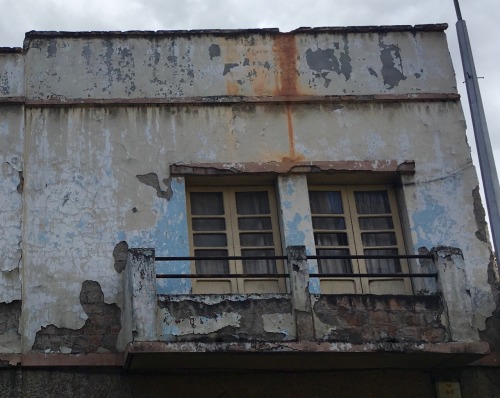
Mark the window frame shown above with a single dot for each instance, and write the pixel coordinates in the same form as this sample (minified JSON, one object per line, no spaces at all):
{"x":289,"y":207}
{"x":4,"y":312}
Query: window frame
{"x":245,"y":285}
{"x":363,"y":285}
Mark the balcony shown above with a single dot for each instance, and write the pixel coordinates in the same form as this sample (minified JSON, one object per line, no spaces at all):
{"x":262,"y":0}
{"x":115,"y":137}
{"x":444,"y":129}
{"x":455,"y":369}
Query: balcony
{"x":299,"y":330}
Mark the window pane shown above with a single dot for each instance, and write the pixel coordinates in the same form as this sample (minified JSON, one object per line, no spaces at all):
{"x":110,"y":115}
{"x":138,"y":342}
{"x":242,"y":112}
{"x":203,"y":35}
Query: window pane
{"x":367,"y":223}
{"x":211,"y":266}
{"x":207,"y":203}
{"x":372,"y":202}
{"x":209,"y":224}
{"x":256,"y":239}
{"x":379,"y":239}
{"x":331,"y":223}
{"x":334,"y":266}
{"x":209,"y":240}
{"x":260,"y":223}
{"x":252,"y":203}
{"x":330,"y":239}
{"x":259,"y":266}
{"x":380,"y":266}
{"x":325,"y":202}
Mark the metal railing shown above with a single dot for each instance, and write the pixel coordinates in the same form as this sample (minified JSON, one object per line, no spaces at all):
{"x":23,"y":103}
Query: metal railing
{"x":311,"y":275}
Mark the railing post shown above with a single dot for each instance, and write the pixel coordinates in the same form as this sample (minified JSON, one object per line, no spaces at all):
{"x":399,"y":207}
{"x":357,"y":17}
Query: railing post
{"x":299,"y":286}
{"x":452,"y":280}
{"x":140,"y":295}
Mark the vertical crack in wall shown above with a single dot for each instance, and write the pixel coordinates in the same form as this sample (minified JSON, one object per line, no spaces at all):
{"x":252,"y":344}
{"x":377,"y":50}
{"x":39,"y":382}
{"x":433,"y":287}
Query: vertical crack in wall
{"x":491,"y":333}
{"x":99,"y":334}
{"x":480,"y":216}
{"x":20,"y":186}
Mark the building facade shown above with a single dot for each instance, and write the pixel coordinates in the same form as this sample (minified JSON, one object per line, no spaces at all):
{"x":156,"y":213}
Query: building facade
{"x":145,"y":173}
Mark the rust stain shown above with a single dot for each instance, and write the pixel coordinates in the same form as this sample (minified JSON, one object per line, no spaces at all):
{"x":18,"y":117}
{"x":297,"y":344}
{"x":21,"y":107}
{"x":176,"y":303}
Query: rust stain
{"x":291,"y":137}
{"x":285,"y":52}
{"x":232,"y":87}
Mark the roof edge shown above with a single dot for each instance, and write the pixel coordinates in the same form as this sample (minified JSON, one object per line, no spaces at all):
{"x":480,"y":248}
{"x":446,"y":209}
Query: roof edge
{"x":11,"y":50}
{"x":237,"y":32}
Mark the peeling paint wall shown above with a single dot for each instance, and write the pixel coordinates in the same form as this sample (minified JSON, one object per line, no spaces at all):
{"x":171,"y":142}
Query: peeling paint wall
{"x":11,"y":199}
{"x":215,"y":318}
{"x":11,"y":73}
{"x":95,"y":179}
{"x":376,"y":319}
{"x":248,"y":64}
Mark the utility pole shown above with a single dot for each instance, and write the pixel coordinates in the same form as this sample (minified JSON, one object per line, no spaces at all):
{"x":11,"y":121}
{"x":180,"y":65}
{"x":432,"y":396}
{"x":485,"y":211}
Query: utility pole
{"x":483,"y":143}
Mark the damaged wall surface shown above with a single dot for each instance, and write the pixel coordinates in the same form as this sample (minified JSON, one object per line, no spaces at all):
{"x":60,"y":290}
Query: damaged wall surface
{"x":11,"y":196}
{"x":88,"y":151}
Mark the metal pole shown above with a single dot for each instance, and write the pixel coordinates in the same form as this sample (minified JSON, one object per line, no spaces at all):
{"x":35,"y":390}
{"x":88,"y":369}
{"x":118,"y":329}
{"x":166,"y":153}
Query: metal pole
{"x":483,"y":143}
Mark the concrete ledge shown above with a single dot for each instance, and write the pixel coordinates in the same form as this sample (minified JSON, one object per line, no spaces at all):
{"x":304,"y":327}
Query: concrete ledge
{"x":387,"y":166}
{"x":231,"y":99}
{"x":300,"y":356}
{"x":62,"y":360}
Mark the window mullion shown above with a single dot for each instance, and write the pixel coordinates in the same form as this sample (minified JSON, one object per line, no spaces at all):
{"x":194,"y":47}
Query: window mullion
{"x":355,"y":243}
{"x":233,"y":233}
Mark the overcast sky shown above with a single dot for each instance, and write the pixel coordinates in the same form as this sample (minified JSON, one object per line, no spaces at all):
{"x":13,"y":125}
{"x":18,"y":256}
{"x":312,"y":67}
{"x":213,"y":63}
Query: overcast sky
{"x":482,"y":17}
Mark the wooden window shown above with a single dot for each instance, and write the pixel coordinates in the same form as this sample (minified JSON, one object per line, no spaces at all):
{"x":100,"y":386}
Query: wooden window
{"x":364,"y":221}
{"x":234,"y":221}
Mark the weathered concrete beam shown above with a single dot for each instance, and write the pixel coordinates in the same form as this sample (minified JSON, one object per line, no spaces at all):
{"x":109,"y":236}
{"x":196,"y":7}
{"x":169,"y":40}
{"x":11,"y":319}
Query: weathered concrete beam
{"x":234,"y":99}
{"x":217,"y":169}
{"x":140,"y":295}
{"x":455,"y":289}
{"x":298,"y":270}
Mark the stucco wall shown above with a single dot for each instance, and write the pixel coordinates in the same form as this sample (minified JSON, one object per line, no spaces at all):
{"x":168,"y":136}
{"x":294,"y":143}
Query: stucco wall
{"x":11,"y":197}
{"x":248,"y":63}
{"x":108,"y":114}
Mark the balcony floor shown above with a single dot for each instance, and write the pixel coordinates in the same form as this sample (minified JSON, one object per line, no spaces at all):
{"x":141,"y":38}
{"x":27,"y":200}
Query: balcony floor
{"x":300,"y":356}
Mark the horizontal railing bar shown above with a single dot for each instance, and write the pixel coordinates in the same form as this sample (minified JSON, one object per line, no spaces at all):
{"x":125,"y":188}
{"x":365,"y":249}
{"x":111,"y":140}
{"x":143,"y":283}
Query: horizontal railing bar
{"x":368,"y":257}
{"x":215,"y":276}
{"x":336,"y":257}
{"x":266,"y":276}
{"x":221,"y":258}
{"x":381,"y":275}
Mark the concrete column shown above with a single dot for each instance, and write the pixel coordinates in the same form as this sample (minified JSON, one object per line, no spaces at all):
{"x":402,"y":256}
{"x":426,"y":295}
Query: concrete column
{"x":140,"y":295}
{"x":454,"y":286}
{"x":296,"y":222}
{"x":298,"y":270}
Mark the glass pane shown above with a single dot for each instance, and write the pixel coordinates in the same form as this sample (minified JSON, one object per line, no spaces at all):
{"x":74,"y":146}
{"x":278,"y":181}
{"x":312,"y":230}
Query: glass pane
{"x":378,"y":239}
{"x":259,"y":266}
{"x":260,"y":223}
{"x":330,"y":239}
{"x":334,"y":266}
{"x":372,"y":202}
{"x":252,"y":203}
{"x":209,"y":224}
{"x":211,"y":266}
{"x":206,"y":203}
{"x":325,"y":202}
{"x":256,"y":239}
{"x":367,"y":223}
{"x":380,"y":266}
{"x":331,"y":223}
{"x":209,"y":240}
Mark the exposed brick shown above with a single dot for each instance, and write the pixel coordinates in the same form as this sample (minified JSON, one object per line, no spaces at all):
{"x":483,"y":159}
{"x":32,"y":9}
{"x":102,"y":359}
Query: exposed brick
{"x":100,"y":330}
{"x":370,"y":318}
{"x":9,"y":316}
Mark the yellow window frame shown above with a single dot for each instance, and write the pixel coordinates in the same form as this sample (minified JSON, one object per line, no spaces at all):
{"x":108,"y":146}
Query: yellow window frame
{"x":234,"y":248}
{"x":355,"y":246}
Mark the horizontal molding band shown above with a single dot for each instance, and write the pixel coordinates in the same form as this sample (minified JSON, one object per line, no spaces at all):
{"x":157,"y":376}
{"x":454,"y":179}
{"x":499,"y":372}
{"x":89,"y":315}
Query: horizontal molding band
{"x":217,"y":169}
{"x":225,"y":99}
